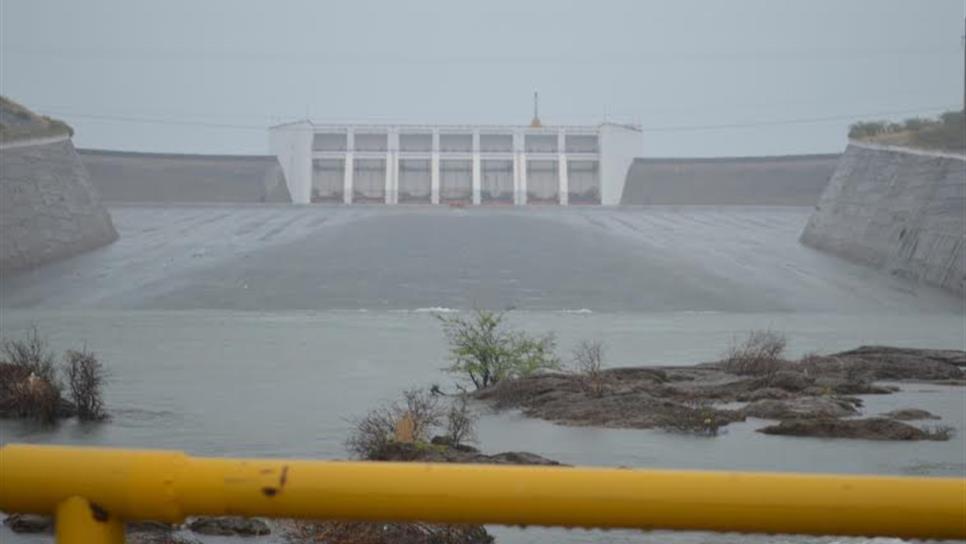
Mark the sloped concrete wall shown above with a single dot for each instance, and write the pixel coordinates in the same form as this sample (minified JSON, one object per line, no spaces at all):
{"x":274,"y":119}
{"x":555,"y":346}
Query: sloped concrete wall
{"x":900,"y":210}
{"x":794,"y":180}
{"x":48,"y":207}
{"x":122,"y":176}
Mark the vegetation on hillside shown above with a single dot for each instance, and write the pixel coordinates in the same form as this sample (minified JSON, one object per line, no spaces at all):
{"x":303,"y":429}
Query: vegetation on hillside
{"x":947,"y":132}
{"x":19,"y":123}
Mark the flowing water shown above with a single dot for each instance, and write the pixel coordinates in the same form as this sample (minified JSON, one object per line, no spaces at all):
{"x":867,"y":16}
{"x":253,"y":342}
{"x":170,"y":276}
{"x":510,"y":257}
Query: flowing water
{"x":257,"y":331}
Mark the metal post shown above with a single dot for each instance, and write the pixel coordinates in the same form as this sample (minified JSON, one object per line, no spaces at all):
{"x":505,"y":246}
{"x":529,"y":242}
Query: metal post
{"x":169,"y":485}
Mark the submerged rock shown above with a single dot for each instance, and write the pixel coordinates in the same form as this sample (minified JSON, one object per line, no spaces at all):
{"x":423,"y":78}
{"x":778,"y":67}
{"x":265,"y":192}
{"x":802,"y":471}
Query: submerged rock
{"x":876,"y":428}
{"x":802,"y":407}
{"x":29,"y":523}
{"x":354,"y":532}
{"x":909,"y":414}
{"x":229,"y":526}
{"x":439,"y":452}
{"x":159,"y":538}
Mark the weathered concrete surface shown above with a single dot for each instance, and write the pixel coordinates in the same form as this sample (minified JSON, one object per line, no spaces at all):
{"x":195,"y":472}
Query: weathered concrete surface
{"x":795,"y":180}
{"x":48,"y":207}
{"x":157,"y":177}
{"x":898,"y":210}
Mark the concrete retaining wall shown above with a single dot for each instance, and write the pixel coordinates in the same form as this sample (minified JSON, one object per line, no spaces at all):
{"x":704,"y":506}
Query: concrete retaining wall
{"x":159,"y":177}
{"x":795,"y":180}
{"x":48,"y":207}
{"x":900,"y":210}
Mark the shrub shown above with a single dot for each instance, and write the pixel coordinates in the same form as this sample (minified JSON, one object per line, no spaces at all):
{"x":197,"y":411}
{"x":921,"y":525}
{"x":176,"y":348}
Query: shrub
{"x":486,"y":352}
{"x":588,"y":359}
{"x":32,"y":356}
{"x":460,"y":423}
{"x":28,"y":383}
{"x":374,"y":432}
{"x":85,"y":375}
{"x":759,"y":354}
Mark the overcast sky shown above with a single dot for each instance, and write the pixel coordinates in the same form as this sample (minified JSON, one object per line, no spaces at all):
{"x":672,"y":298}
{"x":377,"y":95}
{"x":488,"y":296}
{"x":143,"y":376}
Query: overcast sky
{"x":212,"y":74}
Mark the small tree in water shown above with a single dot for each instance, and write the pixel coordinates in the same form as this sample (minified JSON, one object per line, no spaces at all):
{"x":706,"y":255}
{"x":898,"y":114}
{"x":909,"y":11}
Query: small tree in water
{"x":483,"y":350}
{"x":85,"y":375}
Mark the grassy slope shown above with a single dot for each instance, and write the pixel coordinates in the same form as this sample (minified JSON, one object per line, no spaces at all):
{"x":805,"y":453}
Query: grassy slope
{"x":19,"y":123}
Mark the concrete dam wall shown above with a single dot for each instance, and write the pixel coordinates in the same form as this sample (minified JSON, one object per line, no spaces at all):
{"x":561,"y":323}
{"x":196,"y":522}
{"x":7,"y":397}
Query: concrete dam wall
{"x":159,"y":177}
{"x":48,"y":207}
{"x":899,"y":210}
{"x":795,"y":180}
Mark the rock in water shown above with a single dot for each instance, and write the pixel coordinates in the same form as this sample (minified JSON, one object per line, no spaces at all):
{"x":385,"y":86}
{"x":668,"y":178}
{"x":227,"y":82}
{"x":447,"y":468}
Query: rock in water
{"x":875,"y":428}
{"x":229,"y":526}
{"x":29,"y":523}
{"x":802,"y":407}
{"x":909,"y":414}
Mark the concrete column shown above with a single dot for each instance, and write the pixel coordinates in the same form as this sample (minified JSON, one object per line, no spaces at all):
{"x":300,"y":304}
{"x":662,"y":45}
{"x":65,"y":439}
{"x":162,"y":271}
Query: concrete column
{"x":349,"y":166}
{"x":564,"y":186}
{"x":434,"y":169}
{"x":477,"y":181}
{"x":390,"y":167}
{"x":519,"y":169}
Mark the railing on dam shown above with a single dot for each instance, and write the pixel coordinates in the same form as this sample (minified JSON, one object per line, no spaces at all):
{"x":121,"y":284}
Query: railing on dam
{"x":92,"y":491}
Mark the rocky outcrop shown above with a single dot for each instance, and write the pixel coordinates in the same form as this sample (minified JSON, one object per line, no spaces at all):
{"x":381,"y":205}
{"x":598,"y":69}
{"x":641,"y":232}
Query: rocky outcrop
{"x":794,"y":180}
{"x":48,"y":208}
{"x":699,"y":399}
{"x":899,"y":210}
{"x":122,"y":176}
{"x":874,"y":428}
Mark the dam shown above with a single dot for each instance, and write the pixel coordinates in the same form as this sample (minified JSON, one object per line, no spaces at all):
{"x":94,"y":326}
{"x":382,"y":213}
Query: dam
{"x":456,"y":164}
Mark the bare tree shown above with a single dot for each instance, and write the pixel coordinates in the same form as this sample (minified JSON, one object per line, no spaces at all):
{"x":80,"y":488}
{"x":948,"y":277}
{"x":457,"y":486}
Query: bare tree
{"x":588,"y":360}
{"x":85,"y":375}
{"x":460,"y":423}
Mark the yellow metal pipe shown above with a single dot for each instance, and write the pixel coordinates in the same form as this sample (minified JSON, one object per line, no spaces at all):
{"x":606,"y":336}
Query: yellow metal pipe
{"x":168,"y":485}
{"x":80,"y":522}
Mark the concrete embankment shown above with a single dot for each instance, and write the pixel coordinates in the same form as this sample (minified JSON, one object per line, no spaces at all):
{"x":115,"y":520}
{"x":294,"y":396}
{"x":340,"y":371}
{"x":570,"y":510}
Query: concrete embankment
{"x":158,"y":177}
{"x":48,"y":207}
{"x":900,"y":210}
{"x":795,"y":180}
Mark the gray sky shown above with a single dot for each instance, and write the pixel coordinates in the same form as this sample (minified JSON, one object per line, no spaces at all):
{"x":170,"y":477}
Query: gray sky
{"x":246,"y":65}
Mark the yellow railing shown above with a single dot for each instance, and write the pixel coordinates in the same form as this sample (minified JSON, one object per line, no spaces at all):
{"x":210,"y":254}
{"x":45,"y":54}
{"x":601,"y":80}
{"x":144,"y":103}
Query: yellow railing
{"x":91,"y":491}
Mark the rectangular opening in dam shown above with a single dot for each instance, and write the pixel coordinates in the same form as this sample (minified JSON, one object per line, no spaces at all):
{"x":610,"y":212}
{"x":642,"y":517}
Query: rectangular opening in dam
{"x":543,"y":182}
{"x":456,"y":143}
{"x":541,"y":143}
{"x":583,"y":182}
{"x":497,"y":183}
{"x":330,"y":141}
{"x":455,"y":180}
{"x":416,"y":143}
{"x":415,"y":180}
{"x":581,"y":143}
{"x":328,"y":176}
{"x":496,"y":143}
{"x":369,"y":180}
{"x":371,"y":142}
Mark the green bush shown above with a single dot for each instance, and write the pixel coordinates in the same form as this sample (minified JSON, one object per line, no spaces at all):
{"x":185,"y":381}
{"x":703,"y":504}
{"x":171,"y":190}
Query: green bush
{"x":486,"y":352}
